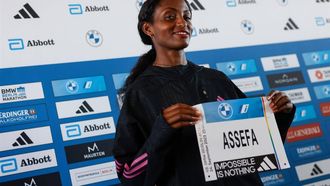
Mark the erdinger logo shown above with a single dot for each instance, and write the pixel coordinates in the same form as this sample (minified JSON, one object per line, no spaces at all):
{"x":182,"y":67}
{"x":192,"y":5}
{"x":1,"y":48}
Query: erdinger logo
{"x":225,"y":111}
{"x":18,"y":116}
{"x":94,"y":38}
{"x":247,"y":27}
{"x":72,"y":86}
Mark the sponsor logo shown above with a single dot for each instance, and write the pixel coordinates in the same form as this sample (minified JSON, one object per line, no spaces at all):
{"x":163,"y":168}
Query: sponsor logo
{"x":139,"y":4}
{"x":201,"y":31}
{"x":322,"y":21}
{"x":250,"y":84}
{"x":46,"y":179}
{"x":322,"y":91}
{"x":18,"y":43}
{"x":94,"y":38}
{"x":78,"y":9}
{"x":299,"y":95}
{"x":303,"y":132}
{"x":26,"y":13}
{"x":285,"y":79}
{"x":247,"y":27}
{"x":244,"y":108}
{"x":20,"y":115}
{"x":325,"y":109}
{"x":234,"y":3}
{"x":27,"y":162}
{"x":319,"y":74}
{"x":25,"y":138}
{"x":237,"y":67}
{"x":313,"y":169}
{"x":273,"y":179}
{"x":283,"y":2}
{"x":81,"y":107}
{"x":291,"y":25}
{"x":89,"y":128}
{"x":266,"y":165}
{"x":225,"y":111}
{"x":89,"y":151}
{"x":308,"y":151}
{"x":196,"y":5}
{"x":21,"y":92}
{"x":93,"y":174}
{"x":315,"y":58}
{"x":304,"y":113}
{"x":280,"y":62}
{"x":78,"y":86}
{"x":322,"y":1}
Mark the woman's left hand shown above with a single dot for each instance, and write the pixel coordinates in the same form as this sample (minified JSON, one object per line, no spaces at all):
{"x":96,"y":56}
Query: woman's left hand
{"x":279,"y":102}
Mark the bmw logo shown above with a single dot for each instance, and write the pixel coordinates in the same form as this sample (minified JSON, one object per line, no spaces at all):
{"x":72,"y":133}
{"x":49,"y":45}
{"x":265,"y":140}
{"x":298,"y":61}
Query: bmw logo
{"x":326,"y":90}
{"x":231,"y":67}
{"x":139,"y":4}
{"x":225,"y":111}
{"x":316,"y":57}
{"x":94,"y":38}
{"x":247,"y":27}
{"x":72,"y":86}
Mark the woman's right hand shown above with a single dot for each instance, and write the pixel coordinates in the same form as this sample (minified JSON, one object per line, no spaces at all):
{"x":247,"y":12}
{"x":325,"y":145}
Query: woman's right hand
{"x":181,"y":115}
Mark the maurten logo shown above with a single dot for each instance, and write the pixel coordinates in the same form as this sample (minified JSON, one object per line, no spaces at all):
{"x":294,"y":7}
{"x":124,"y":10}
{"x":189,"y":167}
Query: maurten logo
{"x":225,"y":111}
{"x":23,"y":139}
{"x":32,"y":183}
{"x":266,"y":164}
{"x":291,"y":25}
{"x":73,"y":130}
{"x":27,"y":12}
{"x":94,"y":38}
{"x":84,"y":108}
{"x":93,"y":149}
{"x":196,"y":5}
{"x":8,"y":165}
{"x":316,"y":170}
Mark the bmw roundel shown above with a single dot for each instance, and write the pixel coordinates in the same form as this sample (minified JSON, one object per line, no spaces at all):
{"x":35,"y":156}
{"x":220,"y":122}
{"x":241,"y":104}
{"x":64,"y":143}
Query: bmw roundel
{"x":225,"y":111}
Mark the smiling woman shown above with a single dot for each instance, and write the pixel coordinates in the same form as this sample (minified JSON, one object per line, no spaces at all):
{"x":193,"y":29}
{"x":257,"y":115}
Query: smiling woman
{"x":156,"y":141}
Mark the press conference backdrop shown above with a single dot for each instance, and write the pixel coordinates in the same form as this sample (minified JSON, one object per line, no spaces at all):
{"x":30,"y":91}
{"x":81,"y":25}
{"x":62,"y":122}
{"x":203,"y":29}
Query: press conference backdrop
{"x":62,"y":62}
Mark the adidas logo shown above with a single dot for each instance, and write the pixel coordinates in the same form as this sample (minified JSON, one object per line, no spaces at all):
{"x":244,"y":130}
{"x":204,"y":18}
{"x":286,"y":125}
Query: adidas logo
{"x":26,"y":13}
{"x":84,"y":108}
{"x":290,"y":25}
{"x":316,"y":170}
{"x":323,"y":1}
{"x":266,"y":164}
{"x":196,"y":5}
{"x":22,"y":140}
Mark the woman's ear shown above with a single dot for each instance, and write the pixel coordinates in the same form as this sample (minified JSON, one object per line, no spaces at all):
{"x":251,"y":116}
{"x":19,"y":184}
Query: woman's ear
{"x":147,"y":29}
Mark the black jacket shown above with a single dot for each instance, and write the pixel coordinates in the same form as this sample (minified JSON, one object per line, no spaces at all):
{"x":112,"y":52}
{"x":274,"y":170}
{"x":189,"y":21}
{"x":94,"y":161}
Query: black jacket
{"x":148,"y":151}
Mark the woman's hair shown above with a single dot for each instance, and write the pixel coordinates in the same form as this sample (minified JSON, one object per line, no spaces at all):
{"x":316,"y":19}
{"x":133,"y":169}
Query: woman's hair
{"x":146,"y":14}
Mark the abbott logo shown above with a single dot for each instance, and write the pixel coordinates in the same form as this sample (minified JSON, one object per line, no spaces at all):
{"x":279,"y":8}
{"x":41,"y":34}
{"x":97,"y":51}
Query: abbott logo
{"x":27,"y":12}
{"x":73,"y":131}
{"x":75,"y":9}
{"x":84,"y":108}
{"x":196,"y":5}
{"x":231,"y":3}
{"x":16,"y":44}
{"x":266,"y":165}
{"x":291,"y":25}
{"x":32,"y":183}
{"x":22,"y":140}
{"x":8,"y":165}
{"x":316,"y":170}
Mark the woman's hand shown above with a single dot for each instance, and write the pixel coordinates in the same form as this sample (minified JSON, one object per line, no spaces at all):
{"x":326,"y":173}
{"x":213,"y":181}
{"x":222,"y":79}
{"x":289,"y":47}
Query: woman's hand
{"x":279,"y":102}
{"x":181,"y":115}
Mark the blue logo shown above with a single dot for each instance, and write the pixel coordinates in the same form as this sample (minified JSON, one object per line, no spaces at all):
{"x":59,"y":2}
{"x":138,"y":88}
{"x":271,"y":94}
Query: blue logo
{"x":194,"y":32}
{"x":304,"y":113}
{"x":320,"y":21}
{"x":94,"y":38}
{"x":75,"y":9}
{"x":73,"y":130}
{"x":322,"y":91}
{"x":237,"y":67}
{"x":8,"y":165}
{"x":231,"y":3}
{"x":315,"y":58}
{"x":225,"y":111}
{"x":72,"y":86}
{"x":247,"y":27}
{"x":16,"y":44}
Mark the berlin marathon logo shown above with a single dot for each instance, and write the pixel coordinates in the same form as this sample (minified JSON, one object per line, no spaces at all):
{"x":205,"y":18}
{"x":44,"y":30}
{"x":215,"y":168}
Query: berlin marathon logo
{"x":10,"y":94}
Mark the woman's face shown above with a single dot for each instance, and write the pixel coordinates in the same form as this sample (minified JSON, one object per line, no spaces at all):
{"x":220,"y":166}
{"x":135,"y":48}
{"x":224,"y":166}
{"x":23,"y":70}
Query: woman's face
{"x":171,"y":27}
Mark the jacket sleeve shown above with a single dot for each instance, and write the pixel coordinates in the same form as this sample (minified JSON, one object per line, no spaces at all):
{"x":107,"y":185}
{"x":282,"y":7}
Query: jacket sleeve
{"x":140,"y":155}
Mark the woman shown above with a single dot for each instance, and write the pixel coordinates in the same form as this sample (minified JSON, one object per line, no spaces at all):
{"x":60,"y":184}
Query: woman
{"x":156,"y":142}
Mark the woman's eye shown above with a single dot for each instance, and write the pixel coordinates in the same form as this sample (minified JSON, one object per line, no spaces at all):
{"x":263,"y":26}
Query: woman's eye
{"x":169,"y":17}
{"x":187,"y":18}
